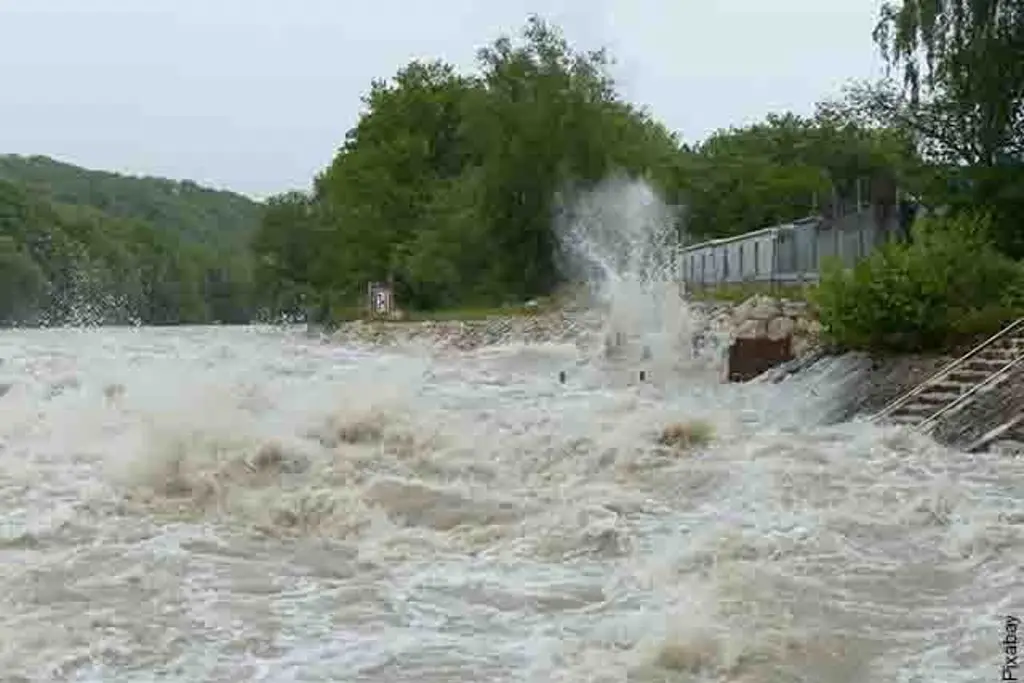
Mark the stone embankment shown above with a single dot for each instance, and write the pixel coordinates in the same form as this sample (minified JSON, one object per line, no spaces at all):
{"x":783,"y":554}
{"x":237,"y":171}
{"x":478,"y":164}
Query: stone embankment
{"x":869,"y":383}
{"x":759,"y":316}
{"x":764,"y":317}
{"x":465,"y":335}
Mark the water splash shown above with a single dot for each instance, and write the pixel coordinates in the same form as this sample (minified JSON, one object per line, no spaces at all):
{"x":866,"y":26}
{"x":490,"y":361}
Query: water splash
{"x":622,"y":238}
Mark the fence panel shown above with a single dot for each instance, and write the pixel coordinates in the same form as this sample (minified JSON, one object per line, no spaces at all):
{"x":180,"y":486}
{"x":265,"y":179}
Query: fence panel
{"x":791,"y":252}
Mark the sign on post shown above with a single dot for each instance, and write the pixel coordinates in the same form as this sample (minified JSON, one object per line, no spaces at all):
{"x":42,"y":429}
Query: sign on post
{"x":380,"y":299}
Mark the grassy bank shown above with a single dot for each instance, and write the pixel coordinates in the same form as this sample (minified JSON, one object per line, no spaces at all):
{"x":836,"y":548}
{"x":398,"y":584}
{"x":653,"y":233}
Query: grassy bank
{"x":736,"y":293}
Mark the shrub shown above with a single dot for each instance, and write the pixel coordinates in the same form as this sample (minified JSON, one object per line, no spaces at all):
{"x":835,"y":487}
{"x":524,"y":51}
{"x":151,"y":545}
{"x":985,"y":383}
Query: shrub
{"x":947,"y":283}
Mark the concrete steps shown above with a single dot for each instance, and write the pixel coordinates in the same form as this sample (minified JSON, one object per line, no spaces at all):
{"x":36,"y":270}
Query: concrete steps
{"x":959,"y":382}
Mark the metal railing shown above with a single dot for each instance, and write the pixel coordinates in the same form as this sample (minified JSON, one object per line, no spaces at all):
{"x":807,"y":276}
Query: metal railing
{"x":786,"y":253}
{"x":965,"y":398}
{"x":946,"y":369}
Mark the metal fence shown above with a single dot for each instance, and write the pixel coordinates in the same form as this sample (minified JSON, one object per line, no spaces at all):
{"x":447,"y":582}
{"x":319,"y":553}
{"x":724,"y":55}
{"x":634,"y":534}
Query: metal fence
{"x":787,"y":253}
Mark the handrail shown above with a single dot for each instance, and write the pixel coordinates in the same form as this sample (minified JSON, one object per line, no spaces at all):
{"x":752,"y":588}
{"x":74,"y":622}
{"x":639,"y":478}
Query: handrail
{"x":993,"y":434}
{"x":945,"y":370}
{"x":991,"y":380}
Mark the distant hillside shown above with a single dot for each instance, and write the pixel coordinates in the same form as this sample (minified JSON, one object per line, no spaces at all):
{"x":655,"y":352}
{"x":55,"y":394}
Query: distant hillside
{"x":73,"y":263}
{"x":195,"y":213}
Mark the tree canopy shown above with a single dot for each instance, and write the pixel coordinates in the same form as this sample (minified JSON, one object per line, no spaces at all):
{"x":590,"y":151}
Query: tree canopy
{"x":70,"y":261}
{"x":193,"y":212}
{"x":962,"y":99}
{"x":450,"y":184}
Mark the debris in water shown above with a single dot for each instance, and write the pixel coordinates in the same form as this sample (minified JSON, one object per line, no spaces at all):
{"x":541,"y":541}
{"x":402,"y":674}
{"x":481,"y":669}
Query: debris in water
{"x":686,"y":434}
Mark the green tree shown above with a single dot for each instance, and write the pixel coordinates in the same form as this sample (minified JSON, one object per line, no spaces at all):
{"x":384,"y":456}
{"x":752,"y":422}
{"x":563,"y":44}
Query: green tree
{"x":22,"y":283}
{"x":946,"y":285}
{"x":74,"y":263}
{"x":288,"y":248}
{"x":198,"y":214}
{"x":962,"y":63}
{"x":784,"y":168}
{"x":447,"y":184}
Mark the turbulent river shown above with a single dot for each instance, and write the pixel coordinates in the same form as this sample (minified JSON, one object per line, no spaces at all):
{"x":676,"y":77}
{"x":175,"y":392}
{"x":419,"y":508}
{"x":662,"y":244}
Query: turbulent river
{"x":251,"y":504}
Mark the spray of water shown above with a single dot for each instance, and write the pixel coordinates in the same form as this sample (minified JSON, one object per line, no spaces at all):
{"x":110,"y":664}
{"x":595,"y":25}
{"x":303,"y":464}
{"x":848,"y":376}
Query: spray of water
{"x":622,"y":239}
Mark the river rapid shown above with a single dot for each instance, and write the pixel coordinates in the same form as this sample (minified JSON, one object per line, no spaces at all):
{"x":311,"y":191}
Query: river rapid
{"x":252,"y":504}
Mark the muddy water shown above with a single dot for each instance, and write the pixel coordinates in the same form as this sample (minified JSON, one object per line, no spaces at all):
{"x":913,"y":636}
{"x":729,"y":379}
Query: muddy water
{"x":252,"y":505}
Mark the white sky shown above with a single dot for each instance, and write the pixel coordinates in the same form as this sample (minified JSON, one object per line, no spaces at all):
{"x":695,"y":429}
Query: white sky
{"x":256,"y":95}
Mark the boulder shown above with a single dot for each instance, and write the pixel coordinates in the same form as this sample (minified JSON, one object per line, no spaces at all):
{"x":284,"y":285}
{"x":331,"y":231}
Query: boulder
{"x":801,"y":346}
{"x":780,"y":328}
{"x":794,"y":309}
{"x":752,"y":329}
{"x":758,"y":307}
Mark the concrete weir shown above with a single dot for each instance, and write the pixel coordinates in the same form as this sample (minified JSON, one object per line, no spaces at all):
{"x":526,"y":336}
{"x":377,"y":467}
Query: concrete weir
{"x":751,"y":357}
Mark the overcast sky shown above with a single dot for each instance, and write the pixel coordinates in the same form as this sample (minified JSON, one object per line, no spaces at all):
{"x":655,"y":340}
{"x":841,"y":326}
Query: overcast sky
{"x":256,"y":95}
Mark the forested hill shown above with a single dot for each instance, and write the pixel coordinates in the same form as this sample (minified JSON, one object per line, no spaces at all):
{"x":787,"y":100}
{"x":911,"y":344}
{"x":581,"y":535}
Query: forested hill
{"x":69,"y":262}
{"x":198,"y":214}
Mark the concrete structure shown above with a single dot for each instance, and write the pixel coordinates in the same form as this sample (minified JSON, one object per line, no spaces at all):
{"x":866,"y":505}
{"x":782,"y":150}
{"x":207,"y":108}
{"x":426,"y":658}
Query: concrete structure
{"x":749,"y":358}
{"x":972,"y":400}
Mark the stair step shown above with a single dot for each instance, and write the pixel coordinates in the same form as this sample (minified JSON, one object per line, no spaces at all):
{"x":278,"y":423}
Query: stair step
{"x":995,"y":356}
{"x":948,"y":386}
{"x":991,"y":358}
{"x":914,"y":409}
{"x":934,"y":398}
{"x":968,"y":376}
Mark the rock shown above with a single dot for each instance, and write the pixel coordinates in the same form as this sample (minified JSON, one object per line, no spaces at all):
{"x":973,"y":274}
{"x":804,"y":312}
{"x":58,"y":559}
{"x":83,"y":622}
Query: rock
{"x":794,"y":309}
{"x":801,"y":346}
{"x":780,"y":328}
{"x":757,"y":307}
{"x":765,"y":309}
{"x":752,"y":329}
{"x":741,"y":312}
{"x":757,"y":317}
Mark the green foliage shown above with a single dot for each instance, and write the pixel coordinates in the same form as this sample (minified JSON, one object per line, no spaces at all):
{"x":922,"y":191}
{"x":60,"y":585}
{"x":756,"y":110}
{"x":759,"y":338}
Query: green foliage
{"x":966,"y":56}
{"x":962,"y":63}
{"x":22,"y":282}
{"x":783,"y":169}
{"x":64,"y":263}
{"x":739,"y":292}
{"x":449,"y":183}
{"x":949,"y":282}
{"x":197,"y":214}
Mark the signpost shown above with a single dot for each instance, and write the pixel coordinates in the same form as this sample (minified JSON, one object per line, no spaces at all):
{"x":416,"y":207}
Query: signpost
{"x":380,"y":300}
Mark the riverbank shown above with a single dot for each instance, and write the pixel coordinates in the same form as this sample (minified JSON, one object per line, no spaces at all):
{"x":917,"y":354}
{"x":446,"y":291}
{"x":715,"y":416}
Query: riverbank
{"x":759,"y":316}
{"x":872,"y":381}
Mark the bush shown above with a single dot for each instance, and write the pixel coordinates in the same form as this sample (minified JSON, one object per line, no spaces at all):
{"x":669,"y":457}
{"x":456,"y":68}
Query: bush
{"x":948,"y":283}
